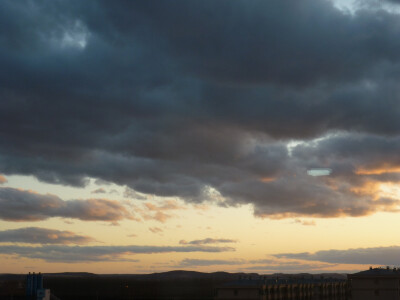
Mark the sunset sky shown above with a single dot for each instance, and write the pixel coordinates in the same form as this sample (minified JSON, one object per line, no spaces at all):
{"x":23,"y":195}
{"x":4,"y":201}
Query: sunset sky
{"x":148,"y":136}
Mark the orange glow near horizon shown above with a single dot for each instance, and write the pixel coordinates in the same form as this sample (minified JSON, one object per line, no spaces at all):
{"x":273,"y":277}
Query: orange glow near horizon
{"x":258,"y":236}
{"x":378,"y":171}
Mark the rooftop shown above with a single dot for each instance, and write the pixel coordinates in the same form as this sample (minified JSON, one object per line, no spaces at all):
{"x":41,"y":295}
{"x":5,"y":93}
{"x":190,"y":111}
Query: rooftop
{"x":253,"y":283}
{"x":378,"y":272}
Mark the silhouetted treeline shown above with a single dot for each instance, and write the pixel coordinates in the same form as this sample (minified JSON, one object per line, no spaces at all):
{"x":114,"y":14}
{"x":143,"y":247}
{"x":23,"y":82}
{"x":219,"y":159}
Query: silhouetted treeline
{"x":12,"y":287}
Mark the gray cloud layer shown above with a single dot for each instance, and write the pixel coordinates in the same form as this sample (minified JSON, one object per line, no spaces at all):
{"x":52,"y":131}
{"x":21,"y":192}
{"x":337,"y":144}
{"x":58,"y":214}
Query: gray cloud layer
{"x":36,"y":235}
{"x":387,"y":256}
{"x":98,"y":253}
{"x":175,"y":98}
{"x":20,"y":205}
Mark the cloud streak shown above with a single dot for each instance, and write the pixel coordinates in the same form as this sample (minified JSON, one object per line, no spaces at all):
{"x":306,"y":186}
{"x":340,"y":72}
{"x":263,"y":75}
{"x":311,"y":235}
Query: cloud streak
{"x":75,"y":254}
{"x":155,"y":230}
{"x":261,"y":265}
{"x":366,"y":256}
{"x":208,"y":262}
{"x":207,"y":241}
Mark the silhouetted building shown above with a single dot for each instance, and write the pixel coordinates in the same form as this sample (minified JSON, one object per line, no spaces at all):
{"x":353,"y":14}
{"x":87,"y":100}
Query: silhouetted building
{"x":34,"y":282}
{"x":287,"y":289}
{"x":34,"y":287}
{"x":242,"y":289}
{"x":377,"y":284}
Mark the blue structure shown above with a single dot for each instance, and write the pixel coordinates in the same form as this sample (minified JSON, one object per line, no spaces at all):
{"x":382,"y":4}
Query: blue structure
{"x":34,"y":282}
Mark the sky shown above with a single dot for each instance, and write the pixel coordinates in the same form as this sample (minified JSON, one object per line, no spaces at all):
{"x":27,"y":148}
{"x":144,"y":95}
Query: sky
{"x":149,"y":136}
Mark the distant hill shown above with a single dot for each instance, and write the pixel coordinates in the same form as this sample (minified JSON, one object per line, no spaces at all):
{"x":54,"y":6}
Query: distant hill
{"x":73,"y":274}
{"x":181,"y":274}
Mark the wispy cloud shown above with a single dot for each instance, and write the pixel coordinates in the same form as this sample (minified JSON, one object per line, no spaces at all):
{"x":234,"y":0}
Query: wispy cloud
{"x":100,"y":181}
{"x":207,"y":241}
{"x":132,"y":194}
{"x":271,"y":265}
{"x":155,"y":229}
{"x":291,"y":267}
{"x":36,"y":235}
{"x":22,"y":205}
{"x":99,"y":191}
{"x":261,"y":265}
{"x":157,"y":211}
{"x":208,"y":262}
{"x":305,"y":222}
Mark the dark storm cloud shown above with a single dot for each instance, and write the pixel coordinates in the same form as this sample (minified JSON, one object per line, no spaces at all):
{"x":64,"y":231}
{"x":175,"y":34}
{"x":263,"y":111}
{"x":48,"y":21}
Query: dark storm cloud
{"x":188,"y":99}
{"x":72,"y":254}
{"x":367,"y":256}
{"x":354,"y":153}
{"x":36,"y":235}
{"x":263,"y":41}
{"x":20,"y":205}
{"x":207,"y":241}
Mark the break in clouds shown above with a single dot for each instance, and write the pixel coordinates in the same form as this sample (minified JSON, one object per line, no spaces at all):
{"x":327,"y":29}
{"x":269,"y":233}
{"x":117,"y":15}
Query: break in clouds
{"x":206,"y":99}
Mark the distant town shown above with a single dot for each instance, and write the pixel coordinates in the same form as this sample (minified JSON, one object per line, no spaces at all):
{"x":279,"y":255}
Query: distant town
{"x":375,"y":283}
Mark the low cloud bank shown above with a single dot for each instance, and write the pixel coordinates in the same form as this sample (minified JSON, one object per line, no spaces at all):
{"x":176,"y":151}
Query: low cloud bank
{"x":22,"y":205}
{"x":36,"y":235}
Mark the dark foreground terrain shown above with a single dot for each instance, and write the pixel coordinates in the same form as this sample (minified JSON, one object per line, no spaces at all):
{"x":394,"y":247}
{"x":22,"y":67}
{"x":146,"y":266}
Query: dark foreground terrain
{"x":177,"y":285}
